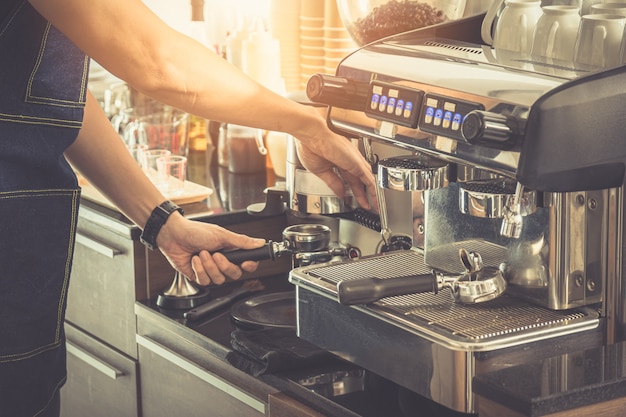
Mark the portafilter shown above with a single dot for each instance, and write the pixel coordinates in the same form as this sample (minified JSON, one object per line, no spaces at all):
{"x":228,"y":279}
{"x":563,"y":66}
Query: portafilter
{"x":301,"y":238}
{"x":478,"y":284}
{"x":303,"y":241}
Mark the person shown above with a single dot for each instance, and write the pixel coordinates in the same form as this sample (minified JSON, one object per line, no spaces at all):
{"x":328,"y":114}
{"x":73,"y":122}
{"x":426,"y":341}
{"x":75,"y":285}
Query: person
{"x":48,"y":117}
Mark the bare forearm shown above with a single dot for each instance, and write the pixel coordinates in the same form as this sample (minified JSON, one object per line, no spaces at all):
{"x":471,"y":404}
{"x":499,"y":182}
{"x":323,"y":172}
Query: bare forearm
{"x":131,"y":42}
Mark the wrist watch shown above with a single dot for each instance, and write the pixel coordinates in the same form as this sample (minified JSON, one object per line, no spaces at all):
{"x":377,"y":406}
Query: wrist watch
{"x":156,"y":221}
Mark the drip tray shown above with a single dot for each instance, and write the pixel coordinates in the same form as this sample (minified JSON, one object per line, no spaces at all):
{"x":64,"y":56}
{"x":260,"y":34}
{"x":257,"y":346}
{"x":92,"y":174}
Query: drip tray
{"x":503,"y":322}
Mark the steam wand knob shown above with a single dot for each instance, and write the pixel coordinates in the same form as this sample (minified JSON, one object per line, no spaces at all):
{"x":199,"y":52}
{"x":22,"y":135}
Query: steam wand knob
{"x":491,"y":129}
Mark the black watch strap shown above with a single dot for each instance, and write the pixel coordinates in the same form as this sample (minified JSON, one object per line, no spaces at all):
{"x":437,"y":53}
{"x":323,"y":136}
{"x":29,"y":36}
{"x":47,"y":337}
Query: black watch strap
{"x":156,"y":221}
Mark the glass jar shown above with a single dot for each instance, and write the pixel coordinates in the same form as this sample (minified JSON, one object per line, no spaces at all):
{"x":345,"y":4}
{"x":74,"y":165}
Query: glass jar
{"x":370,"y":20}
{"x":246,"y":151}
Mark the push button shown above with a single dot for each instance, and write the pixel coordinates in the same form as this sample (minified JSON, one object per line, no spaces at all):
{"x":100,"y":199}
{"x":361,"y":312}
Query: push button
{"x":383,"y":104}
{"x":374,"y":102}
{"x":438,"y":117}
{"x":408,"y":109}
{"x":428,"y":115}
{"x":391,"y":106}
{"x":447,"y":120}
{"x":456,"y":121}
{"x":399,"y":107}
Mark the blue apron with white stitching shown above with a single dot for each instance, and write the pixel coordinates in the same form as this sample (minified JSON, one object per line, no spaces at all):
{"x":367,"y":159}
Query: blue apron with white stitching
{"x":43,"y":87}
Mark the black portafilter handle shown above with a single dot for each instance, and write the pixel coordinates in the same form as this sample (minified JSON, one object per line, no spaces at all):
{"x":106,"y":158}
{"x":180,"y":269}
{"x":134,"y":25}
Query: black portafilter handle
{"x":369,"y":290}
{"x":263,"y":253}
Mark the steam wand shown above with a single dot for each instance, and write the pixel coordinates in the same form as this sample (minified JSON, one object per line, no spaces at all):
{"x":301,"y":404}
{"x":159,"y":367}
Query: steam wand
{"x":512,"y":221}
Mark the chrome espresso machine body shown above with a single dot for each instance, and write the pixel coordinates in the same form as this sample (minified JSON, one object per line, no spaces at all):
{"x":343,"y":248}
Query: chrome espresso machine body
{"x":518,"y":162}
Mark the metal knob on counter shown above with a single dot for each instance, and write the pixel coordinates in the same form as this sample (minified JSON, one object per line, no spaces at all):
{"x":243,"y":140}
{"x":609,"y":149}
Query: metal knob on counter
{"x":182,"y":294}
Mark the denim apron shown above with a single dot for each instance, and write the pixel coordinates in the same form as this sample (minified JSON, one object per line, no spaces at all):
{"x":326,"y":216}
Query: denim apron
{"x":43,"y":87}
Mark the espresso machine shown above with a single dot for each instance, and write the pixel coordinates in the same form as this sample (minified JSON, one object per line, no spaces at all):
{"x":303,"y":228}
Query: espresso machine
{"x":488,"y":170}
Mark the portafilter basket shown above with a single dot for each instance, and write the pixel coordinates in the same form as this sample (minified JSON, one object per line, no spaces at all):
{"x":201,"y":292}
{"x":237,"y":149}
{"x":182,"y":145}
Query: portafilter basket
{"x":489,"y":198}
{"x":412,"y":173}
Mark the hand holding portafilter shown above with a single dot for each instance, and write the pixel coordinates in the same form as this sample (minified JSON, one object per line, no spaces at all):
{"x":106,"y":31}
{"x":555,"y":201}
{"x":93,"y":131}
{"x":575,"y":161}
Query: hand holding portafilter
{"x":296,"y":238}
{"x":306,"y":243}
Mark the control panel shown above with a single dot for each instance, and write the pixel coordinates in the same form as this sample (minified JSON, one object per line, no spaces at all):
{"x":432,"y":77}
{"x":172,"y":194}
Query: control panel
{"x":392,"y":103}
{"x":444,"y":116}
{"x":410,"y":107}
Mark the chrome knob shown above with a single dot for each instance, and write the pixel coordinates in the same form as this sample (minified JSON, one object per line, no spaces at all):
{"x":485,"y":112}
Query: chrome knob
{"x":490,"y":129}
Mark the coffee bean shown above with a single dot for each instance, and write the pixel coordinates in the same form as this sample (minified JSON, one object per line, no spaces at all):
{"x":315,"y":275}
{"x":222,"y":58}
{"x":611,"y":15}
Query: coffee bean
{"x":395,"y":17}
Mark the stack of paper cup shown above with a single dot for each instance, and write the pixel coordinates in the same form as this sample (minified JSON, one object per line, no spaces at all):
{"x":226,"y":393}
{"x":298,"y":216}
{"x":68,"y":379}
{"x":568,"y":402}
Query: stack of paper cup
{"x":284,"y":25}
{"x":337,"y":41}
{"x":311,"y":39}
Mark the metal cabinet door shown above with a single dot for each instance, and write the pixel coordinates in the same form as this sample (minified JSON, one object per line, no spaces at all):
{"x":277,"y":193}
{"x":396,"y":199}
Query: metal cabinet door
{"x":101,"y":294}
{"x":101,"y":381}
{"x":282,"y":405}
{"x":174,"y":385}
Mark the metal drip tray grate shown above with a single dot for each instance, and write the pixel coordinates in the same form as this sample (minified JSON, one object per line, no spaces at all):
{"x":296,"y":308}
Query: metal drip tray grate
{"x":475,"y":326}
{"x":501,"y":317}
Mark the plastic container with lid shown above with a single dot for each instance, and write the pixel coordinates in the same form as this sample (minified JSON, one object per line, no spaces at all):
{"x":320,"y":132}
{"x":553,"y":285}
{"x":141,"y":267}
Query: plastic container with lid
{"x":371,"y":20}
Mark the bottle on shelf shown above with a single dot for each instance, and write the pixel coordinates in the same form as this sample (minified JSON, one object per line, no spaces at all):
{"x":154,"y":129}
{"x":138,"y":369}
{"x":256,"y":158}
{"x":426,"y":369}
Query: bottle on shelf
{"x":199,"y":137}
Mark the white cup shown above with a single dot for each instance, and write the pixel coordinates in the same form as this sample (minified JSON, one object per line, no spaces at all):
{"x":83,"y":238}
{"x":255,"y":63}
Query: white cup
{"x":609,"y":8}
{"x":556,"y":31}
{"x":577,"y":3}
{"x":491,"y":16}
{"x":585,"y":7}
{"x":599,"y":40}
{"x":515,"y":28}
